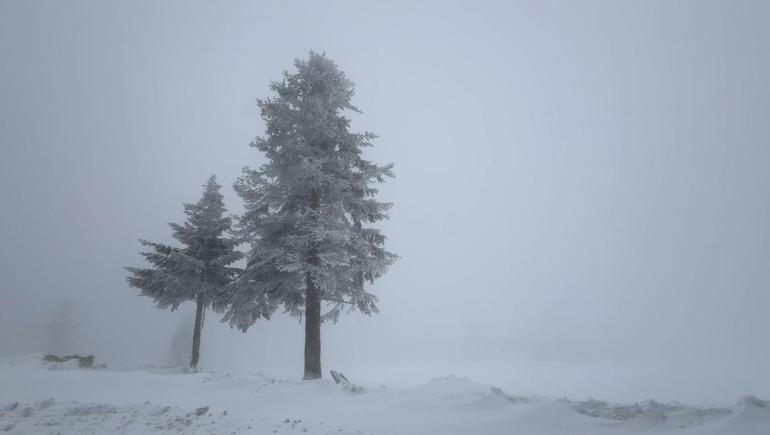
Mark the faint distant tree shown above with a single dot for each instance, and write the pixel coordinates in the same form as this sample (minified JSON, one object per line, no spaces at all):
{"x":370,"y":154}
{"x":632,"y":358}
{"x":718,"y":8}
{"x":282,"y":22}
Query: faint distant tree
{"x":59,"y":335}
{"x":307,"y":208}
{"x":181,"y":343}
{"x":199,"y":270}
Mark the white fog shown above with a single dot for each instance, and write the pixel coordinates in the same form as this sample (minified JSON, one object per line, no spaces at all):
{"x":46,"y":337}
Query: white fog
{"x":580,"y":209}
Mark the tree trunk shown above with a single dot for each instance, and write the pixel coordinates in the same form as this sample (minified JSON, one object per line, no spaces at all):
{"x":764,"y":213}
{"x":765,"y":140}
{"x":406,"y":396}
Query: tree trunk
{"x":312,"y":330}
{"x":313,"y":306}
{"x":197,"y":329}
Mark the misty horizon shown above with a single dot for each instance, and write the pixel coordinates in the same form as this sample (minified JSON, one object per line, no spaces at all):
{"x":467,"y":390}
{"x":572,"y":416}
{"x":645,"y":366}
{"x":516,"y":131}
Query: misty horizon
{"x":581,"y":200}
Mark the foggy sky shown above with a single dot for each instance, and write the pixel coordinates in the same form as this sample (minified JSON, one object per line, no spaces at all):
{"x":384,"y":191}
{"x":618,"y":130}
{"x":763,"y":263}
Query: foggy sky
{"x":582,"y":201}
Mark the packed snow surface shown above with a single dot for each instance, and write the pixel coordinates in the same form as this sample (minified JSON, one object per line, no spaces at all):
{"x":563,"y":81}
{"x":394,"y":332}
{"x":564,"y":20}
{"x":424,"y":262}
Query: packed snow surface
{"x":44,"y":398}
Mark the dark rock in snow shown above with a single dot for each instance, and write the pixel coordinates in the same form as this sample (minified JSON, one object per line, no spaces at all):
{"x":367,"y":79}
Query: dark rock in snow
{"x":84,"y":362}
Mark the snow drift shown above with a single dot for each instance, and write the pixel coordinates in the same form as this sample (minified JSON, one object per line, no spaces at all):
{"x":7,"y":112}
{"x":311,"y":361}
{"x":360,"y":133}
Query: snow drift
{"x":38,"y":399}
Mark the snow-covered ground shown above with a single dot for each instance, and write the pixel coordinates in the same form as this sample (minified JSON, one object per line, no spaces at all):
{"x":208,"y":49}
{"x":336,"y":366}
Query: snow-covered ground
{"x":40,"y":398}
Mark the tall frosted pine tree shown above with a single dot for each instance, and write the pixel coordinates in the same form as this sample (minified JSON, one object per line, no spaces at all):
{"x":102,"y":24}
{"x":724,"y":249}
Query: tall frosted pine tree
{"x":308,"y":208}
{"x":200,"y":269}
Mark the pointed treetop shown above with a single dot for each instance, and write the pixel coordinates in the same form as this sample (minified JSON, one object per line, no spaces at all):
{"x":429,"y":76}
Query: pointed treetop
{"x":201,"y":265}
{"x":317,"y":80}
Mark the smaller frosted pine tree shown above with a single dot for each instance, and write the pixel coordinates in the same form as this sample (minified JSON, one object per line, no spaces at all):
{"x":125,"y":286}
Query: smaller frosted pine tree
{"x":200,"y":269}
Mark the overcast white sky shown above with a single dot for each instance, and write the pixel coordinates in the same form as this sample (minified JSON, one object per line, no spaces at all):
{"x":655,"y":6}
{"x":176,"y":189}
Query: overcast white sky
{"x":582,"y":200}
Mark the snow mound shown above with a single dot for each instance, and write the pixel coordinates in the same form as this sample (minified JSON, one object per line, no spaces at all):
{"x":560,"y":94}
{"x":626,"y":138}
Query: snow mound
{"x":752,"y":417}
{"x":109,"y":401}
{"x":497,"y":398}
{"x":452,"y":386}
{"x":651,"y":413}
{"x":749,"y":400}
